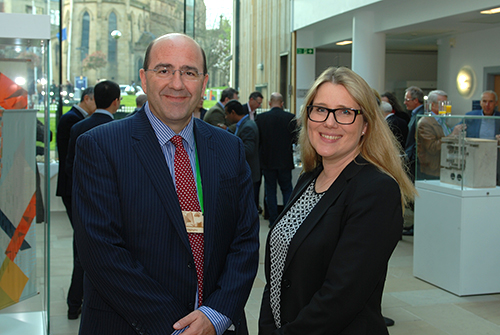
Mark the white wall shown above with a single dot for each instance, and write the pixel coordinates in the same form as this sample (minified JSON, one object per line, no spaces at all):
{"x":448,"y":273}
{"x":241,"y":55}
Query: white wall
{"x":477,"y":50}
{"x":398,"y":67}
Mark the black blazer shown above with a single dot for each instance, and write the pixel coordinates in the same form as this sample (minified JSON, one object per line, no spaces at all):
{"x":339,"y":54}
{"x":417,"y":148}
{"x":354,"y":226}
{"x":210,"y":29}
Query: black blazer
{"x":62,"y":140}
{"x":336,"y":264}
{"x":81,"y":127}
{"x":277,"y":133}
{"x":249,"y":134}
{"x":399,"y":129}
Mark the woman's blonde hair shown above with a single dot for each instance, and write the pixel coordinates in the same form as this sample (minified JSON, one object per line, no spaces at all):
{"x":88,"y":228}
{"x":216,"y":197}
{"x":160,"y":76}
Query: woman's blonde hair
{"x":378,"y":145}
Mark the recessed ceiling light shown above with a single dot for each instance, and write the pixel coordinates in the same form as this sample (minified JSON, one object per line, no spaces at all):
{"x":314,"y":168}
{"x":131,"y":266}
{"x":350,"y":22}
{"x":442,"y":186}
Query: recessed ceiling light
{"x":344,"y":43}
{"x":491,"y":11}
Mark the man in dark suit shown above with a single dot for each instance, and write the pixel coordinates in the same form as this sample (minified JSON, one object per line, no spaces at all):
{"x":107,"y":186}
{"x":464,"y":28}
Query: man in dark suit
{"x":414,"y":99}
{"x":397,"y":125}
{"x":247,"y":130}
{"x":140,"y":266}
{"x":107,"y":101}
{"x":254,"y":102}
{"x":77,"y":113}
{"x":216,"y":115}
{"x":277,"y":133}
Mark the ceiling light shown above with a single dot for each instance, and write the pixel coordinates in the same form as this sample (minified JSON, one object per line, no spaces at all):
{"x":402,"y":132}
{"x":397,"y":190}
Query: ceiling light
{"x":491,"y":11}
{"x":344,"y":43}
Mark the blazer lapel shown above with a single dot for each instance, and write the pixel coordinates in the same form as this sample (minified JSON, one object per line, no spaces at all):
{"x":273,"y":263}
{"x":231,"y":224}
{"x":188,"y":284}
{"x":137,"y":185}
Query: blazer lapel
{"x":323,"y":205}
{"x":147,"y":149}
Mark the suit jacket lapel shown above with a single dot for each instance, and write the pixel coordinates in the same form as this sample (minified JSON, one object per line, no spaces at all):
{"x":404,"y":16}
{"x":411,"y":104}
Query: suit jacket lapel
{"x":323,"y":205}
{"x":147,"y":149}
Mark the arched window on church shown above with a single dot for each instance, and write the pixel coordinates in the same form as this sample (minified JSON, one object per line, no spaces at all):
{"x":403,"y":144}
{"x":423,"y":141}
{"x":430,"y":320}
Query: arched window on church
{"x":112,"y":43}
{"x":84,"y":48}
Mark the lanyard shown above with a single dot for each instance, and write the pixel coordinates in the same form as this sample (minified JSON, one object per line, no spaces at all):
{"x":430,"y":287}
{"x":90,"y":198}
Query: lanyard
{"x":198,"y":179}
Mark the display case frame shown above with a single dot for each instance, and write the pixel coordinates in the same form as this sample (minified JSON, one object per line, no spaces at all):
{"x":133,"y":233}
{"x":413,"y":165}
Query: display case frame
{"x":25,"y":274}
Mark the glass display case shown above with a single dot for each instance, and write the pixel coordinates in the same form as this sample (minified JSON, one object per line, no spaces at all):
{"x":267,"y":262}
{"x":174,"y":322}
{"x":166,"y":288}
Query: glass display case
{"x":460,"y":152}
{"x":24,"y":200}
{"x":456,"y":211}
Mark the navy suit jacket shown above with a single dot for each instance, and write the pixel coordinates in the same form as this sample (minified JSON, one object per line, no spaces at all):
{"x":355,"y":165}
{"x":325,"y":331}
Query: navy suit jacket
{"x":67,"y":121}
{"x":410,"y":147}
{"x":81,"y":127}
{"x":139,"y":269}
{"x":474,"y":126}
{"x":249,"y":134}
{"x":399,"y":129}
{"x":335,"y":268}
{"x":277,"y":133}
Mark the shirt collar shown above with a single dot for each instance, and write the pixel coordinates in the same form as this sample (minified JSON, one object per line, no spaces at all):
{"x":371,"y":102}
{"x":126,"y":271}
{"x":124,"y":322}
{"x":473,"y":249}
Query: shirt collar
{"x":103,"y":111}
{"x":81,"y":110}
{"x":164,"y":133}
{"x":240,"y":121}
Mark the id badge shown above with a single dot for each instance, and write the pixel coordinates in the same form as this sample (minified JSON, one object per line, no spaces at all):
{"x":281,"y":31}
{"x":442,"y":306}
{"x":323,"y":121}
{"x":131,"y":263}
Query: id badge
{"x":193,"y":221}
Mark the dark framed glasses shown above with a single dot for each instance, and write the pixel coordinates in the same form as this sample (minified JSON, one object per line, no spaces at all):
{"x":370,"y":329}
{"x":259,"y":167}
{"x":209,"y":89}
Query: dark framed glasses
{"x":341,"y":115}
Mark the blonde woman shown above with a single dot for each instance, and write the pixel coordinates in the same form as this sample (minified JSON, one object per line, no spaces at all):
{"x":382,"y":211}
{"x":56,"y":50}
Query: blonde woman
{"x":326,"y":256}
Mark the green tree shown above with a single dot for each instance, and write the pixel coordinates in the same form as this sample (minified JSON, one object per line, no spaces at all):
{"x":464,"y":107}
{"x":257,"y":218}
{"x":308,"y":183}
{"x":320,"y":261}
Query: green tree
{"x":95,"y":61}
{"x":217,"y":45}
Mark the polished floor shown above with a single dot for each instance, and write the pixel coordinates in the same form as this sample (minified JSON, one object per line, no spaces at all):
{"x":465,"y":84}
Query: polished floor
{"x":416,"y":306}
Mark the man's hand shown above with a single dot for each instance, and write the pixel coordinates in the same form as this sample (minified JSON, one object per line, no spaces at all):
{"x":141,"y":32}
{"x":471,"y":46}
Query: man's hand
{"x":458,"y":129}
{"x":198,"y":324}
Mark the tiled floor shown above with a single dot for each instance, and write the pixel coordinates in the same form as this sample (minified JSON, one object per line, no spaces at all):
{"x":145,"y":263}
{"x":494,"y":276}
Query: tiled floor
{"x":416,"y":306}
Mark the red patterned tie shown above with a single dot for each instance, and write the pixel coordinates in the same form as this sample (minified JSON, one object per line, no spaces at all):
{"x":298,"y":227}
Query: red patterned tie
{"x":188,"y":199}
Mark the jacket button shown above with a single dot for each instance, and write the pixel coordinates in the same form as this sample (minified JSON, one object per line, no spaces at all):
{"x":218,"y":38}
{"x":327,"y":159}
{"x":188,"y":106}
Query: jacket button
{"x":191,"y":306}
{"x":190,"y":265}
{"x":286,"y":283}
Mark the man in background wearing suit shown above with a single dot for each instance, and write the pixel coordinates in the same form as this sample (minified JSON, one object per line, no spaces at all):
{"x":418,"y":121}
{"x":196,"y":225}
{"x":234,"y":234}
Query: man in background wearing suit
{"x":247,"y":130}
{"x":254,"y":102}
{"x":396,"y":124}
{"x":216,"y":115}
{"x":277,"y":133}
{"x":107,"y":101}
{"x":484,"y":128}
{"x":413,"y":100}
{"x":77,"y":113}
{"x":144,"y":272}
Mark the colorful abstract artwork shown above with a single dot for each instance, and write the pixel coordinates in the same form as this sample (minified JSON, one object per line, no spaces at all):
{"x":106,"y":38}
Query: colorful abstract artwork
{"x":17,"y":207}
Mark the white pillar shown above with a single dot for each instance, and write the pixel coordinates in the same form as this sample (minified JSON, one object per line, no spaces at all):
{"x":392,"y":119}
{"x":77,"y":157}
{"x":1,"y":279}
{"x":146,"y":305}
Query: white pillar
{"x":306,"y":68}
{"x":368,"y":50}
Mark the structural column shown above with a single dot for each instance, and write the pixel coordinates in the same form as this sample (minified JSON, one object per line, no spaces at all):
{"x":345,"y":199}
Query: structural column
{"x":306,"y":67}
{"x":368,"y":50}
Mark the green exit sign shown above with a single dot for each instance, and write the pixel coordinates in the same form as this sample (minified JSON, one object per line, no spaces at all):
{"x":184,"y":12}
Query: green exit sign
{"x":307,"y":51}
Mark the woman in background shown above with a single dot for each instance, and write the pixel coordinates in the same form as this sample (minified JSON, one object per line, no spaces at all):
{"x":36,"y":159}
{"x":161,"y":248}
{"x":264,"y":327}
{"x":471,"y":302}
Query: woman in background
{"x":326,"y":256}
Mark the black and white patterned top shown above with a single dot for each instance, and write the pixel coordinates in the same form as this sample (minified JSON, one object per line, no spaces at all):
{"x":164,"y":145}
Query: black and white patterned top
{"x":281,"y":236}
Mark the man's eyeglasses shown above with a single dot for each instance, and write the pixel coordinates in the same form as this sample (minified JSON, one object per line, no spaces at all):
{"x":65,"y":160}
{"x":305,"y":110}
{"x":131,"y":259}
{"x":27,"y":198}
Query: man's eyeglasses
{"x":410,"y":99}
{"x":166,"y":73}
{"x":341,"y":115}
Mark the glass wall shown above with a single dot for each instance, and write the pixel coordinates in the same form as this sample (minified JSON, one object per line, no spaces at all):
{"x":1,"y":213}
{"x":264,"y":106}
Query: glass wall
{"x":89,"y":41}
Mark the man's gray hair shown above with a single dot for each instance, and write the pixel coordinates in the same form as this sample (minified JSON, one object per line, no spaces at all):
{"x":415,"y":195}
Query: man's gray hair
{"x":490,"y":92}
{"x":433,"y":95}
{"x":386,"y":107}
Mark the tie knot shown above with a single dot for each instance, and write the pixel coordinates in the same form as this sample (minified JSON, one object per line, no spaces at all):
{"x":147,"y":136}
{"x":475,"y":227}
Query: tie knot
{"x":177,"y":141}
